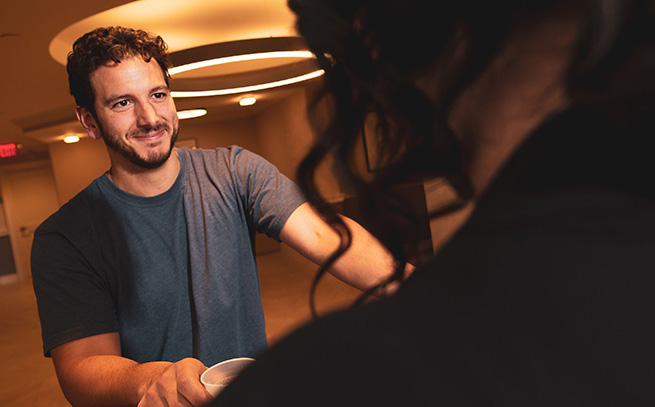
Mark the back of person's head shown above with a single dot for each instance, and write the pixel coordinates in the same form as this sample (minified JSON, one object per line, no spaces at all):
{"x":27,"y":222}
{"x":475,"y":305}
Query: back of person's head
{"x":106,"y":45}
{"x":375,"y":51}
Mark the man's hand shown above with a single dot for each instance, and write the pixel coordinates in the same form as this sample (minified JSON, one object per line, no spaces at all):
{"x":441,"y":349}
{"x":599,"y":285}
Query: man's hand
{"x":92,"y":371}
{"x":177,"y":385}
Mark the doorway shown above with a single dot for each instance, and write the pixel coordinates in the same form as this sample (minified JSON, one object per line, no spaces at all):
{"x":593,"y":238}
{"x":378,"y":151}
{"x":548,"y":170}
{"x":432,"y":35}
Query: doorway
{"x":29,"y":196}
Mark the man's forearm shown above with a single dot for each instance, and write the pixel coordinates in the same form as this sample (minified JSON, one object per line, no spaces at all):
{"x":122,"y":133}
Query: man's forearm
{"x":366,"y":263}
{"x":107,"y":380}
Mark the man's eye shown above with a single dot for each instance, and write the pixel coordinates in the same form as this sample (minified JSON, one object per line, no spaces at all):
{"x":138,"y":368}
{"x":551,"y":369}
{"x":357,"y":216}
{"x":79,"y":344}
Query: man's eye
{"x":122,"y":103}
{"x":159,"y":95}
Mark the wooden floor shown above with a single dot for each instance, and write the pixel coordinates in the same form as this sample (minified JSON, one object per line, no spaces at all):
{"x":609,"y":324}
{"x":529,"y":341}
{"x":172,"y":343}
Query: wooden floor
{"x":27,"y":379}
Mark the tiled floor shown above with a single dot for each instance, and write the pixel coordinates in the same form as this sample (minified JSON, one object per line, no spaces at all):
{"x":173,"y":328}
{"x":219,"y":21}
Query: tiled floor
{"x":27,"y":379}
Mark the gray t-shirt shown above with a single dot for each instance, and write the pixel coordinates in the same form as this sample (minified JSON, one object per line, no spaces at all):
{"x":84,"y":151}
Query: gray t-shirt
{"x":174,"y":274}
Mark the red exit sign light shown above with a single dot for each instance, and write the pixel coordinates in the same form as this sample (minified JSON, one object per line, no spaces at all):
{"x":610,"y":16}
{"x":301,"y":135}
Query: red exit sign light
{"x":8,"y":150}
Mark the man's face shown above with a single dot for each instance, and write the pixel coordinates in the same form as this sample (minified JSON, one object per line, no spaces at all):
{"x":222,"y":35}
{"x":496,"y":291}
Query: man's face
{"x":134,"y":112}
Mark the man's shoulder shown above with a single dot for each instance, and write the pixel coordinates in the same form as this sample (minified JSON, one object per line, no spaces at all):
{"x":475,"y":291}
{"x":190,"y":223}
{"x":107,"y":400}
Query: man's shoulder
{"x":219,"y":153}
{"x":220,"y":160}
{"x":74,"y":211}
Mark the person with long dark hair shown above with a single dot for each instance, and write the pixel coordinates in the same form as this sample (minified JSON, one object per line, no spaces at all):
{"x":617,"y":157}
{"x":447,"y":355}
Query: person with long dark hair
{"x":539,"y":113}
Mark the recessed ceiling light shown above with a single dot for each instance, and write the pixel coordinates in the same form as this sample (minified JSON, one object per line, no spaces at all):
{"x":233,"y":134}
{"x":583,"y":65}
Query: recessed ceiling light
{"x":73,"y":138}
{"x":247,"y":101}
{"x":190,"y":114}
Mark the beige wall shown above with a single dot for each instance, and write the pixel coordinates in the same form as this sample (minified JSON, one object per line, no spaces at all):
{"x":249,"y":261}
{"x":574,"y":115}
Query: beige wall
{"x":76,"y":165}
{"x":285,"y":134}
{"x":286,"y":137}
{"x":281,"y":134}
{"x":221,"y":134}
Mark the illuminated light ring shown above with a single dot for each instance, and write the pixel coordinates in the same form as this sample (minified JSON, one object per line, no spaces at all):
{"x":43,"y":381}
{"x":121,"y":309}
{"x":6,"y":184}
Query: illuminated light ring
{"x":239,"y":58}
{"x":244,"y":89}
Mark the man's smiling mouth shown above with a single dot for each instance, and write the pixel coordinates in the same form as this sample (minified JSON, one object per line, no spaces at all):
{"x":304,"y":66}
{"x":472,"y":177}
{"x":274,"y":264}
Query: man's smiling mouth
{"x":152,"y":134}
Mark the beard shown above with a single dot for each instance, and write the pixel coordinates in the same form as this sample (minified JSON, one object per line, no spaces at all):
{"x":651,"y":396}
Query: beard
{"x":150,"y":162}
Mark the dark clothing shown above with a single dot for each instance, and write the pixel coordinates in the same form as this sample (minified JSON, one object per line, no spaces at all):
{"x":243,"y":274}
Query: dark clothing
{"x":544,"y":297}
{"x":174,"y":274}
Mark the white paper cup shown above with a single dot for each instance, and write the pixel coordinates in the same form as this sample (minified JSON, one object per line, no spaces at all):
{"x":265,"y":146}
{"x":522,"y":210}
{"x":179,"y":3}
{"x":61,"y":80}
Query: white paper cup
{"x":218,"y":376}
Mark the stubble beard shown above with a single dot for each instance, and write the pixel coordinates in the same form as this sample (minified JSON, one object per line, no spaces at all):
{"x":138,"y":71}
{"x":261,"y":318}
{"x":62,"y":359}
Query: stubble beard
{"x":150,"y":162}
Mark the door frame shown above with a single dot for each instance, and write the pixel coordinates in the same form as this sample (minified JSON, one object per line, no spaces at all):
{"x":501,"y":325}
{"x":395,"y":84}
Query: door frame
{"x":8,"y":201}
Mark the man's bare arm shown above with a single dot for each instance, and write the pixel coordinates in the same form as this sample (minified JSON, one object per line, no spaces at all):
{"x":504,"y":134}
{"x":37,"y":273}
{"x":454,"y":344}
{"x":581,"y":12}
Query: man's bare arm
{"x":92,"y":372}
{"x":364,"y":265}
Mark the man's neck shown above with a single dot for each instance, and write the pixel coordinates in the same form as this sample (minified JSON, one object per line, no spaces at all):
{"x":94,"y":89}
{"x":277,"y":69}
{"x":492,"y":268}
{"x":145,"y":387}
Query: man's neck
{"x":144,"y":182}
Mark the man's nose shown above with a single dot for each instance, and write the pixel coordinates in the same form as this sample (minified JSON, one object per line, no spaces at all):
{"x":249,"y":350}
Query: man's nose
{"x":147,"y":115}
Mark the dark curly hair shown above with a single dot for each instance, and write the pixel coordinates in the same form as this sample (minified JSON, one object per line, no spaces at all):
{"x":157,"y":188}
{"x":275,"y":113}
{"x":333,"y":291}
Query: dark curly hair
{"x":102,"y":45}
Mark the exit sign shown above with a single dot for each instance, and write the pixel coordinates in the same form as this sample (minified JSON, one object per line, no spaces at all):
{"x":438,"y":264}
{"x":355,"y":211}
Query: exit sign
{"x":8,"y":150}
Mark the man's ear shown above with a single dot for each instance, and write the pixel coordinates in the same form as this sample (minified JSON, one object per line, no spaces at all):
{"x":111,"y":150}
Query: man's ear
{"x":88,"y":122}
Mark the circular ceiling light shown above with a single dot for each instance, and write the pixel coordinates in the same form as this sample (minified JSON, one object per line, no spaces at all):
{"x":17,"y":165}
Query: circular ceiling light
{"x":241,"y":66}
{"x":240,"y":58}
{"x":244,"y":89}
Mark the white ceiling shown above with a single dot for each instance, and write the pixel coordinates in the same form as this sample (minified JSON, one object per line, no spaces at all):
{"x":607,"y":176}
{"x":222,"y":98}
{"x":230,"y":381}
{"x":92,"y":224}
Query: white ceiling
{"x":36,"y":35}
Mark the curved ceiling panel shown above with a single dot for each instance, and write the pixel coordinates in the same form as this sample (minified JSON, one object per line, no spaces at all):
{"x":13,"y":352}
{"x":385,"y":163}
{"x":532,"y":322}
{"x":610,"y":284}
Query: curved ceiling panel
{"x":187,"y":24}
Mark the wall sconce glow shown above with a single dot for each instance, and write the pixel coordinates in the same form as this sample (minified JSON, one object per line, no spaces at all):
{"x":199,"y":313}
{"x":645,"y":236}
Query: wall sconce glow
{"x":244,"y":89}
{"x":240,"y":58}
{"x":190,"y":114}
{"x":71,"y":139}
{"x":247,"y":101}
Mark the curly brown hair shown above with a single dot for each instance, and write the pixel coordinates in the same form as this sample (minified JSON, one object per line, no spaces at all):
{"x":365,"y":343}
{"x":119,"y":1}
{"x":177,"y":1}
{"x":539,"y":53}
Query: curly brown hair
{"x":102,"y":45}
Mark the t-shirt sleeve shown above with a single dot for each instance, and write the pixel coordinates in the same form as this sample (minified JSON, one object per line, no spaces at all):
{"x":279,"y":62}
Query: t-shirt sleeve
{"x":271,"y":196}
{"x":73,"y":299}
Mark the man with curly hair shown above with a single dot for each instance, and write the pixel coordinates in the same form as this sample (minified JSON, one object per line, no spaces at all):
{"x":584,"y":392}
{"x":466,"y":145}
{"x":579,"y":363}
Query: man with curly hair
{"x":148,"y":275}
